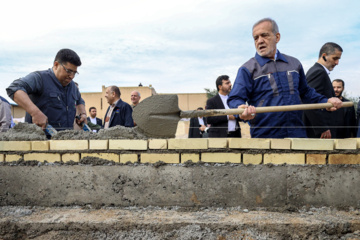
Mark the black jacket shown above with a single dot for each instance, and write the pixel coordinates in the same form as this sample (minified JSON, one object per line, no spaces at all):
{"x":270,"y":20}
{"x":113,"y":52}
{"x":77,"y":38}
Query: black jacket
{"x":346,"y":121}
{"x":98,"y":121}
{"x":194,"y":131}
{"x":318,"y":79}
{"x":121,"y":115}
{"x":219,"y":124}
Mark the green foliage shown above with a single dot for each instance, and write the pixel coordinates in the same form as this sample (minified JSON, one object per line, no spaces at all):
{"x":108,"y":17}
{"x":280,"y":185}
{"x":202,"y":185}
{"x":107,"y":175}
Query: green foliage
{"x":210,"y":93}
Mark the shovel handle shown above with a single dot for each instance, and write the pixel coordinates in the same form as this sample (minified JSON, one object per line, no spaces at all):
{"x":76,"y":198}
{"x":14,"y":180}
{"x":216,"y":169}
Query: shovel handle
{"x":285,"y":108}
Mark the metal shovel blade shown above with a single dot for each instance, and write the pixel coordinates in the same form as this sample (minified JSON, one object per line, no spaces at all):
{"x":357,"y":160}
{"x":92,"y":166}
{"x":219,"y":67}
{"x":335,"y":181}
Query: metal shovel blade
{"x":158,"y":116}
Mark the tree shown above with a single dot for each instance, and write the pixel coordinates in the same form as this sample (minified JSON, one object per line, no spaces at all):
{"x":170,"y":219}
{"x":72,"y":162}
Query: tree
{"x":210,"y":93}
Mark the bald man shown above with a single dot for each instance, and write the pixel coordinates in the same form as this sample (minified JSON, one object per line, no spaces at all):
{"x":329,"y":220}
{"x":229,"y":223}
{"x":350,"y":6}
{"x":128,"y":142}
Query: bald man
{"x":135,"y":98}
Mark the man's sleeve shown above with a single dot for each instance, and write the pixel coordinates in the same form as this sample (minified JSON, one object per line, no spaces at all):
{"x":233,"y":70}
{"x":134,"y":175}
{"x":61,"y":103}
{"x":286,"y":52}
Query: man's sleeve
{"x":79,"y":99}
{"x":129,"y":122}
{"x":32,"y":83}
{"x":352,"y":121}
{"x":241,"y":88}
{"x":5,"y":116}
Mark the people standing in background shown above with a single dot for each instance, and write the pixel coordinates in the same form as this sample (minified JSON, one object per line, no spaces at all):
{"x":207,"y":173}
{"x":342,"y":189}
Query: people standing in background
{"x":345,"y":117}
{"x":319,"y":122}
{"x":222,"y":126}
{"x":135,"y":98}
{"x":96,"y":123}
{"x":119,"y":112}
{"x":197,"y":126}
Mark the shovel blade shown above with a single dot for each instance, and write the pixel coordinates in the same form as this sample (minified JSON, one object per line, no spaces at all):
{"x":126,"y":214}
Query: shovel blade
{"x":158,"y":116}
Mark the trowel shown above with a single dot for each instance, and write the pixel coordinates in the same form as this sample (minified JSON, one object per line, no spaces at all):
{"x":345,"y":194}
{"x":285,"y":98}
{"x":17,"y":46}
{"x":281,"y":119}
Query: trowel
{"x":50,"y":130}
{"x":83,"y":125}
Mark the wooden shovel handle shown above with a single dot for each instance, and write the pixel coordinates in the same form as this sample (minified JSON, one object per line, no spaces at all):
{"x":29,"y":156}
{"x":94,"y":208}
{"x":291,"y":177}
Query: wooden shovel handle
{"x":285,"y":108}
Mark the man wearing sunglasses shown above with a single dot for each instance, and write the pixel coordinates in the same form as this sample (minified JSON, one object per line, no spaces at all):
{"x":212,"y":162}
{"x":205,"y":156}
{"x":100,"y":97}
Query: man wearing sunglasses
{"x":50,"y":96}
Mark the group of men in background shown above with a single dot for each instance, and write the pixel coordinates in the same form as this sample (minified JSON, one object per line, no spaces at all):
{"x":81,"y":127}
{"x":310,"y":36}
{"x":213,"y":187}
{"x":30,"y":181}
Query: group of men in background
{"x":270,"y":78}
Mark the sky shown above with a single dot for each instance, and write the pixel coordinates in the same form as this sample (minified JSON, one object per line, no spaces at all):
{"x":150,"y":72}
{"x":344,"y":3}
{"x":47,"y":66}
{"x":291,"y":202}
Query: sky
{"x":175,"y":46}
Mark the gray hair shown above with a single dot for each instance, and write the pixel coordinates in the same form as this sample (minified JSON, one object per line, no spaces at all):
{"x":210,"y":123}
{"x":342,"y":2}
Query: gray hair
{"x":275,"y":28}
{"x":137,"y":93}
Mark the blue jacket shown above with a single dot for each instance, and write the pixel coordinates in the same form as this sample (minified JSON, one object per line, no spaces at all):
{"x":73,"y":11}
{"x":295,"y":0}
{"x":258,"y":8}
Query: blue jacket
{"x":263,"y":82}
{"x":58,"y":103}
{"x":121,"y":115}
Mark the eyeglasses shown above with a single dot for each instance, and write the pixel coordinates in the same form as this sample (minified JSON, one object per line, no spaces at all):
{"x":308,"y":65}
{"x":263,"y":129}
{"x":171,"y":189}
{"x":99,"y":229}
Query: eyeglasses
{"x":70,"y":72}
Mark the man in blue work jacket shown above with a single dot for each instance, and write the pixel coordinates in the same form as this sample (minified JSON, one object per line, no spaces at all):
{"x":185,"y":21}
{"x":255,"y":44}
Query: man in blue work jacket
{"x":50,"y":96}
{"x":273,"y":79}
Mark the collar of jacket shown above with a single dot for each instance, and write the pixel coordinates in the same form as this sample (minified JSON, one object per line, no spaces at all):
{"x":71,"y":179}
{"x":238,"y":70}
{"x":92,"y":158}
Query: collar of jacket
{"x":263,"y":60}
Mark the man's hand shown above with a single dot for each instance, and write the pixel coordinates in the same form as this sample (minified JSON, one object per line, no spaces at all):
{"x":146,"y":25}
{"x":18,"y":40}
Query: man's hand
{"x":249,"y":112}
{"x":40,"y":119}
{"x":326,"y":134}
{"x":81,"y":120}
{"x":231,"y":117}
{"x":336,"y":102}
{"x":202,"y":128}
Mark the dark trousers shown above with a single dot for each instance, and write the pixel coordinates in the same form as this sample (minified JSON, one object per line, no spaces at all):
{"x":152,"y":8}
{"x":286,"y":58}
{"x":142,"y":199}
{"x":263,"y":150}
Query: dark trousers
{"x":234,"y":134}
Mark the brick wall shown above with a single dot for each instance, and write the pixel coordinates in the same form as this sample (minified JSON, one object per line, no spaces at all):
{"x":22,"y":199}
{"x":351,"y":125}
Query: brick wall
{"x":220,"y":150}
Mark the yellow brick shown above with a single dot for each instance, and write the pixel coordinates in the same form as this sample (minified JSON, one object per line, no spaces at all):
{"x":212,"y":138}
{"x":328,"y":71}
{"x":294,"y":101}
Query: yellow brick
{"x":345,"y":143}
{"x":217,"y":142}
{"x":2,"y":158}
{"x":344,"y":159}
{"x":358,"y":142}
{"x":41,"y":157}
{"x":155,"y":157}
{"x":98,"y":144}
{"x":280,"y":143}
{"x":288,"y":158}
{"x":194,"y":157}
{"x":252,"y":158}
{"x":107,"y":156}
{"x":221,"y":157}
{"x":67,"y":157}
{"x":69,"y":144}
{"x":312,"y":144}
{"x":12,"y":157}
{"x":249,"y":143}
{"x":40,"y":145}
{"x":188,"y":143}
{"x":315,"y":158}
{"x":157,"y":143}
{"x":15,"y":146}
{"x":126,"y":144}
{"x":124,"y":158}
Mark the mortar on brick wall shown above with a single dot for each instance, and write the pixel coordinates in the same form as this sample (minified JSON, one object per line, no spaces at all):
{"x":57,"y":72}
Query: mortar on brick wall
{"x":31,"y":132}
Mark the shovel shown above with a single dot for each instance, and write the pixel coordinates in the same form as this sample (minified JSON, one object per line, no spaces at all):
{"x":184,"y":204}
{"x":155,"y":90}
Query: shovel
{"x":158,"y":116}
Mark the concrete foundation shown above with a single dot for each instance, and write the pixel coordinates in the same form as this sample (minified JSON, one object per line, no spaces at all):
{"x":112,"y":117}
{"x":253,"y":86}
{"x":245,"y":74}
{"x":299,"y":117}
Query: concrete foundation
{"x":236,"y":185}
